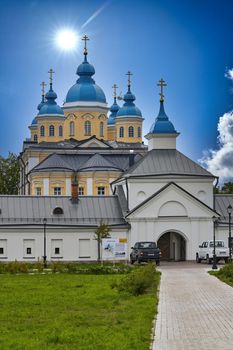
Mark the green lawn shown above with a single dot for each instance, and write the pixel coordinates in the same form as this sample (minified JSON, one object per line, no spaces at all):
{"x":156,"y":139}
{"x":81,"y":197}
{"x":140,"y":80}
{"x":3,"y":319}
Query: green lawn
{"x":225,"y":274}
{"x":68,"y":311}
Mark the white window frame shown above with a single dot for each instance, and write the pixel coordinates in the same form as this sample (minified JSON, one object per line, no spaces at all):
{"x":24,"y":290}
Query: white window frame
{"x":87,"y":128}
{"x":56,"y":243}
{"x":3,"y":245}
{"x":57,"y":191}
{"x":131,"y":131}
{"x":101,"y":190}
{"x":29,"y":243}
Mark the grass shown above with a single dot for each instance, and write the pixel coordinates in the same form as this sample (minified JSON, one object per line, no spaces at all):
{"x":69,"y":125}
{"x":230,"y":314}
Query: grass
{"x":70,"y":311}
{"x":225,"y":274}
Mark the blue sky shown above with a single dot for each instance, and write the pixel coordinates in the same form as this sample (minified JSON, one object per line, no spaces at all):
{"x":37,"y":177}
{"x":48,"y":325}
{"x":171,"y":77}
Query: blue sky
{"x":188,"y":43}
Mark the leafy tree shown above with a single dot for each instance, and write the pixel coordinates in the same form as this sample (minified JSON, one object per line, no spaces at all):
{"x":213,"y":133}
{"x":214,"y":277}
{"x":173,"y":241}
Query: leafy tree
{"x":9,"y":174}
{"x":227,"y":188}
{"x":102,"y":231}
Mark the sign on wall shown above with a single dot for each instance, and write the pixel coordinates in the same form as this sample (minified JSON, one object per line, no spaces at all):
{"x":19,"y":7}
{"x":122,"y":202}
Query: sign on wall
{"x":114,"y":249}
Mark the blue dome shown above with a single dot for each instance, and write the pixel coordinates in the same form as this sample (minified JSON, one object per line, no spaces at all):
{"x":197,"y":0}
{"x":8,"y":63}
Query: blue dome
{"x":162,"y":124}
{"x":50,"y":107}
{"x":114,"y":109}
{"x":129,"y":109}
{"x":41,"y":104}
{"x":34,"y":122}
{"x":85,"y":88}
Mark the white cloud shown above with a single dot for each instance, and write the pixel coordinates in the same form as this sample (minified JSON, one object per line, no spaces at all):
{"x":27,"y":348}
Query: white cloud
{"x":229,"y":73}
{"x":220,"y":162}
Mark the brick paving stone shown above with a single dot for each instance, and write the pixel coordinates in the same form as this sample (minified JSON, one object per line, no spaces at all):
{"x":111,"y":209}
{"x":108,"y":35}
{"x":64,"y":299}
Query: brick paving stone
{"x":195,"y":310}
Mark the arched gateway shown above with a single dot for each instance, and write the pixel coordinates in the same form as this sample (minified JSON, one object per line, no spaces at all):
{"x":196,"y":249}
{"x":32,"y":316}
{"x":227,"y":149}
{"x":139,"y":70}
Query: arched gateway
{"x":173,"y":246}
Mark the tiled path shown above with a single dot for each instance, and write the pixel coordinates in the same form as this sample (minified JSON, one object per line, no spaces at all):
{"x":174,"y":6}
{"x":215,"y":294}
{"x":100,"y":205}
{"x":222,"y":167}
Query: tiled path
{"x":195,"y":310}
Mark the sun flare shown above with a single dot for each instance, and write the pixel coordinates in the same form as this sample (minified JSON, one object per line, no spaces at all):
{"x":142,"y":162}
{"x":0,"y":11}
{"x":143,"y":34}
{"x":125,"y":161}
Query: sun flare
{"x":66,"y":39}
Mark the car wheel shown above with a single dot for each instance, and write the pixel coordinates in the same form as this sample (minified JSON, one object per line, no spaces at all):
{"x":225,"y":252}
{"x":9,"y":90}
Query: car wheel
{"x":157,"y":262}
{"x":198,"y":260}
{"x":208,"y":260}
{"x":138,"y":260}
{"x":132,"y":261}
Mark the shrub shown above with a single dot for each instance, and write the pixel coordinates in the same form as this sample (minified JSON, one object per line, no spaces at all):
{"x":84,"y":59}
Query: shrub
{"x":139,"y":280}
{"x":39,"y":266}
{"x":2,"y":268}
{"x":16,"y":267}
{"x":57,"y":266}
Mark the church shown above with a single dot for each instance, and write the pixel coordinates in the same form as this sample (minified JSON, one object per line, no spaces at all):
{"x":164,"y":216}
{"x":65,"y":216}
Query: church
{"x":86,"y":164}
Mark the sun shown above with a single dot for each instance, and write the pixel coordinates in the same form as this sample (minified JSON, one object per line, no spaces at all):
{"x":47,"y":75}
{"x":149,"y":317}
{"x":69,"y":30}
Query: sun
{"x":66,"y":39}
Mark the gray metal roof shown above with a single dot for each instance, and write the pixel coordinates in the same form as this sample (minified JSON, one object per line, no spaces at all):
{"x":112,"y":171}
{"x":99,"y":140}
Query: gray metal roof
{"x":222,"y":201}
{"x":85,"y":162}
{"x":166,"y":162}
{"x":89,"y":210}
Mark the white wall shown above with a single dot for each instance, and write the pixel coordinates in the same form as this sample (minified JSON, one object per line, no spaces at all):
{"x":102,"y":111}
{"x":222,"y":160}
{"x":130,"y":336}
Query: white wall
{"x":16,"y":240}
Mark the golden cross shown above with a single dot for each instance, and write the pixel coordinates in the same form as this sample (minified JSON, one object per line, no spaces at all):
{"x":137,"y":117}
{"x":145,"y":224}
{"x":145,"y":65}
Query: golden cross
{"x":85,"y":39}
{"x":161,"y":84}
{"x":43,"y":87}
{"x":114,"y":90}
{"x":51,"y":76}
{"x":129,"y":77}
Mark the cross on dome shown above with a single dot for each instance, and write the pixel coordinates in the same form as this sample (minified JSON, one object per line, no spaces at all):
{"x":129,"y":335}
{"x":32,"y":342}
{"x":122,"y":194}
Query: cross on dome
{"x":85,"y":39}
{"x":115,"y":87}
{"x":43,"y":87}
{"x":161,"y":84}
{"x":51,"y":72}
{"x":129,"y":78}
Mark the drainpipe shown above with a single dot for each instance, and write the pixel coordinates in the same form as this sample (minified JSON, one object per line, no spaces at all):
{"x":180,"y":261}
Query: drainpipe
{"x":127,"y":192}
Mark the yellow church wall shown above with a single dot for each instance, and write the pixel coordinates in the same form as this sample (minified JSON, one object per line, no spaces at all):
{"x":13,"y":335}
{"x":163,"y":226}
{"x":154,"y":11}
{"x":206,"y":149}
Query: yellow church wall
{"x":111,"y":133}
{"x":126,"y":123}
{"x":46,"y":122}
{"x":79,"y":118}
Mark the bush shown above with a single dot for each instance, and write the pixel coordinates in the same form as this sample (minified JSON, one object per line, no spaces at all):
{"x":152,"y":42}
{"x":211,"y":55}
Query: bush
{"x":16,"y":267}
{"x":39,"y":265}
{"x":57,"y":266}
{"x":139,"y":280}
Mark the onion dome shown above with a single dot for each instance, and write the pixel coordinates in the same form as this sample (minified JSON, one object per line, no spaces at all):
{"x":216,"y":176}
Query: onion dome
{"x":85,"y":88}
{"x":113,"y":109}
{"x":34,"y":122}
{"x":50,"y":107}
{"x":162,"y":124}
{"x":129,"y":109}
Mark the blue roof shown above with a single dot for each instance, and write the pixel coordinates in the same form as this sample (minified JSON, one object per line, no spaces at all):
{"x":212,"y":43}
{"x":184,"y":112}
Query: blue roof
{"x":113,"y":109}
{"x":85,"y":88}
{"x":162,"y":124}
{"x":50,"y":107}
{"x":129,"y":109}
{"x":34,"y":122}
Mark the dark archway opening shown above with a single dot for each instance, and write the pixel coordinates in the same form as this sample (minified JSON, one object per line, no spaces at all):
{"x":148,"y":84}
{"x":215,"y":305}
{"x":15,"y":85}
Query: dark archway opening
{"x":172,"y":246}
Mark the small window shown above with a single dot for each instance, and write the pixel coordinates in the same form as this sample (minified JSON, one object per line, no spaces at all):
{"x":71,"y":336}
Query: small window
{"x":57,"y":250}
{"x":57,"y":191}
{"x":87,"y":128}
{"x":58,"y":211}
{"x":42,"y":133}
{"x":139,"y":131}
{"x":121,"y":132}
{"x":101,"y":191}
{"x":131,"y":131}
{"x":35,"y":138}
{"x":51,"y":130}
{"x":60,"y":131}
{"x":1,"y":250}
{"x":38,"y":191}
{"x":81,"y":191}
{"x":29,"y":251}
{"x":72,"y":128}
{"x":101,"y":129}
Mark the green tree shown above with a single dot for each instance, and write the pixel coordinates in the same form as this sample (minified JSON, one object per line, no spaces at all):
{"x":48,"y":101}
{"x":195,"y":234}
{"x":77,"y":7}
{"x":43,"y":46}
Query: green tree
{"x":102,"y":231}
{"x":227,"y":188}
{"x":9,"y":174}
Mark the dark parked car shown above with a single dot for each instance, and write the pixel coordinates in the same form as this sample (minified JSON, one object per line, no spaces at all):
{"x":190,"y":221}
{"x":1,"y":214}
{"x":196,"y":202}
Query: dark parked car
{"x":144,"y":252}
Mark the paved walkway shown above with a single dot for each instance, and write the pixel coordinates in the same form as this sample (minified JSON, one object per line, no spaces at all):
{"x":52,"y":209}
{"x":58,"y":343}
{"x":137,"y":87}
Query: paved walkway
{"x":195,"y":310}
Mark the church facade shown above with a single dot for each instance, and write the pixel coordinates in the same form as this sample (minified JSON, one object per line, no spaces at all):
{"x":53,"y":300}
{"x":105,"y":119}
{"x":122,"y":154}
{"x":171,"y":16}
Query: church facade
{"x":82,"y":167}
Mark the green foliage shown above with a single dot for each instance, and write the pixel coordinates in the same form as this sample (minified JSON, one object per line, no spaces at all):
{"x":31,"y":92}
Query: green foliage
{"x":227,"y":188}
{"x":57,"y":266}
{"x":67,"y":312}
{"x":9,"y":174}
{"x":102,"y":231}
{"x":16,"y":267}
{"x":139,"y":280}
{"x":39,"y":266}
{"x":225,"y":274}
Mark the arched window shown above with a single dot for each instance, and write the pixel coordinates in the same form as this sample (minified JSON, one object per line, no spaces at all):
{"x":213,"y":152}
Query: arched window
{"x":58,"y":211}
{"x":71,"y":128}
{"x":101,"y":129}
{"x":139,"y":131}
{"x":131,"y":131}
{"x":87,"y":128}
{"x":60,"y":130}
{"x":42,"y":130}
{"x":35,"y":138}
{"x":51,"y":130}
{"x":121,"y":132}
